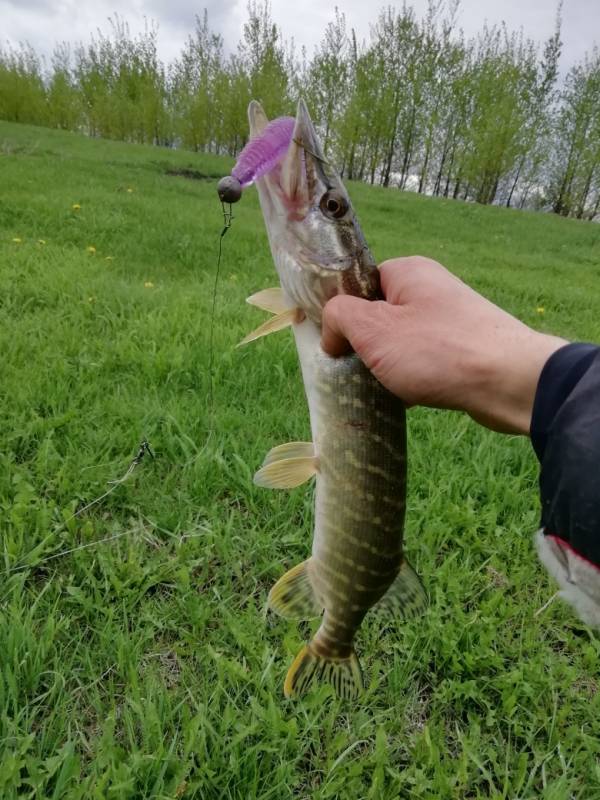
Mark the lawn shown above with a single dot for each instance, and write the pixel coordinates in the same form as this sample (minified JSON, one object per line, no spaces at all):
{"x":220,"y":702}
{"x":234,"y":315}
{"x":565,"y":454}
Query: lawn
{"x":136,"y":657}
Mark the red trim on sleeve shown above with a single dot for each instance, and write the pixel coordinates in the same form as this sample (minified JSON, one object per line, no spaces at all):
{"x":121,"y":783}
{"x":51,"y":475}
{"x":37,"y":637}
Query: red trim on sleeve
{"x":567,"y":546}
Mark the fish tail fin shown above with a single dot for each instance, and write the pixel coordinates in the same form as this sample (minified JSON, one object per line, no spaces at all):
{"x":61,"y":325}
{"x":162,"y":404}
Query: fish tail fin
{"x":309,"y":667}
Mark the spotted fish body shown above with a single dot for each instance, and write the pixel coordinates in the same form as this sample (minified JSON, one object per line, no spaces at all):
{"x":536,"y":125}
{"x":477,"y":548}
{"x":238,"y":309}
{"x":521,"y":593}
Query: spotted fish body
{"x":358,"y":448}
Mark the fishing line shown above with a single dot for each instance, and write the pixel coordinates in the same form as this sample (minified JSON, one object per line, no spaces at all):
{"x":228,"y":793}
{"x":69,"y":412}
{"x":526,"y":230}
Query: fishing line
{"x":143,"y":449}
{"x":258,"y":157}
{"x":227,"y":220}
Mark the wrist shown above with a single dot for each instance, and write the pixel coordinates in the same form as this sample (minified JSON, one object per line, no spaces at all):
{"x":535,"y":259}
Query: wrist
{"x":508,"y":381}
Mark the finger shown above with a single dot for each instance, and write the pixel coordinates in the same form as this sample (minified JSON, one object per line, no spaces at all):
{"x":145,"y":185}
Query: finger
{"x":403,"y":278}
{"x":342,"y":317}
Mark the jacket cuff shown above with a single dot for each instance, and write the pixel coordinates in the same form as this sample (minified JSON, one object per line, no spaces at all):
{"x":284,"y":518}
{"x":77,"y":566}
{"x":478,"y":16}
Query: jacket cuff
{"x":561,"y":373}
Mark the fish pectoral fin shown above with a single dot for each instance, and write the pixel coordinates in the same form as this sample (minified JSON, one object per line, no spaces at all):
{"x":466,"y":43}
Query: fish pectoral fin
{"x":271,"y":300}
{"x":293,"y":596}
{"x":286,"y":473}
{"x":406,"y":597}
{"x":290,"y":450}
{"x":276,"y":323}
{"x":344,"y":674}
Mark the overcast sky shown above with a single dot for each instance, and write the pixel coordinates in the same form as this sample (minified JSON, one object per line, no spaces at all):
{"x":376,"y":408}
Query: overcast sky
{"x":44,"y":22}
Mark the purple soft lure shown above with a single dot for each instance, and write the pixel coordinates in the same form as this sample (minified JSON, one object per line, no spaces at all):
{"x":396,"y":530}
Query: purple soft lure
{"x":261,"y":154}
{"x":257,"y":158}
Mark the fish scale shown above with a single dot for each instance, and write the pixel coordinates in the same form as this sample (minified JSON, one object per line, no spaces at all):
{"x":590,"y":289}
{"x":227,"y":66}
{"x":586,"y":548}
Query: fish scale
{"x":348,"y":438}
{"x":358,"y":448}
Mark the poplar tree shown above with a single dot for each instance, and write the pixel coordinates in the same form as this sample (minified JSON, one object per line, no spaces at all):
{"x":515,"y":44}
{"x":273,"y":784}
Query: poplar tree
{"x":63,"y":97}
{"x":327,"y":80}
{"x":197,"y":89}
{"x":261,"y":55}
{"x":22,"y":88}
{"x":575,"y":171}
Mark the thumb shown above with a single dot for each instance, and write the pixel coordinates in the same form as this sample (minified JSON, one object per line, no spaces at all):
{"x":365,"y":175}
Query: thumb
{"x":344,"y":318}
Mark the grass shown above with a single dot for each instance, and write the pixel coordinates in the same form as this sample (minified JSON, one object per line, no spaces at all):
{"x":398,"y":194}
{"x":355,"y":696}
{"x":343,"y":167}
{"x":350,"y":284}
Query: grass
{"x":145,"y":667}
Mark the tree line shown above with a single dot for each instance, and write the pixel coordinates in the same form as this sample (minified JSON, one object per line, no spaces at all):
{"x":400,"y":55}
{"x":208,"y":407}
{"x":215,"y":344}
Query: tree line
{"x":418,"y":106}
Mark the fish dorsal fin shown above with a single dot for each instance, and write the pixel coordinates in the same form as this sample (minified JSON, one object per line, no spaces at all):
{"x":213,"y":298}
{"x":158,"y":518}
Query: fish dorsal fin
{"x":276,"y":323}
{"x":406,"y":598}
{"x":271,"y":300}
{"x":293,"y":596}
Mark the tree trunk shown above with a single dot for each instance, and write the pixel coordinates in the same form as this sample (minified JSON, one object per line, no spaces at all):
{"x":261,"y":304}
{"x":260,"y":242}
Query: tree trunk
{"x":456,"y":187}
{"x":513,"y":187}
{"x":584,"y":194}
{"x":423,"y":177}
{"x":438,"y":180}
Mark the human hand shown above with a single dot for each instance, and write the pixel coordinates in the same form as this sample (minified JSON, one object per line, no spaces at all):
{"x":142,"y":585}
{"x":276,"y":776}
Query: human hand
{"x":435,"y":342}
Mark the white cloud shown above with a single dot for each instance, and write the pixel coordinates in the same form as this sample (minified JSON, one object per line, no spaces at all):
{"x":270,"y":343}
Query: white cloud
{"x":45,"y":22}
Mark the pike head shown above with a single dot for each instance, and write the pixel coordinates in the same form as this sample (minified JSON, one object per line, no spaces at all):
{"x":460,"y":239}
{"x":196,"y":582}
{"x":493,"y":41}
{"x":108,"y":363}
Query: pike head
{"x":317,"y":244}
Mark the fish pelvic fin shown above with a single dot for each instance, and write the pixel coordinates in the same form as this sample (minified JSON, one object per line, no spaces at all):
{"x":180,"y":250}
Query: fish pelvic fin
{"x":287,"y":465}
{"x":406,"y":598}
{"x":293,"y":596}
{"x":310,"y":668}
{"x":290,"y":316}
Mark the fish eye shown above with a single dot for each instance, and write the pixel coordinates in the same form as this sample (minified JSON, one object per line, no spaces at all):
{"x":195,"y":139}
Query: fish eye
{"x":333,"y":205}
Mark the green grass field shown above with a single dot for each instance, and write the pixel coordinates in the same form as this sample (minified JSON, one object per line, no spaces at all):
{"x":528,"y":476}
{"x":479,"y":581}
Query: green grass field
{"x":145,"y":666}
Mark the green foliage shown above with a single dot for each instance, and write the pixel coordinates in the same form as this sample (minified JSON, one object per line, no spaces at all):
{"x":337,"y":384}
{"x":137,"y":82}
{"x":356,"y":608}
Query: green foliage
{"x":143,"y":666}
{"x":22,"y":90}
{"x":195,"y":89}
{"x":262,"y":57}
{"x":122,"y":84}
{"x":575,"y":189}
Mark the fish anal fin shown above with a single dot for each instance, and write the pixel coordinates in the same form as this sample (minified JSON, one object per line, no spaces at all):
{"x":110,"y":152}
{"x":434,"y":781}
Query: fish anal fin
{"x":271,"y":300}
{"x":286,"y":473}
{"x":293,"y":596}
{"x":290,"y":450}
{"x":406,"y":598}
{"x":276,"y":323}
{"x":309,"y":668}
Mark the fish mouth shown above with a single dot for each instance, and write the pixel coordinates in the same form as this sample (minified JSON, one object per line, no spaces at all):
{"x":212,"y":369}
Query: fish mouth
{"x":304,"y":174}
{"x":317,"y":244}
{"x":292,"y":184}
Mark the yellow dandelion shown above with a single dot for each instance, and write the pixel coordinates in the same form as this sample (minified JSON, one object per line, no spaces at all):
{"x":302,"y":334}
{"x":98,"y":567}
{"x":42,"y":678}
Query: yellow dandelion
{"x":41,"y":241}
{"x":129,"y":190}
{"x":17,"y":240}
{"x":109,"y":258}
{"x":540,"y":309}
{"x":91,"y":299}
{"x":148,"y":285}
{"x":75,"y":206}
{"x":91,"y":249}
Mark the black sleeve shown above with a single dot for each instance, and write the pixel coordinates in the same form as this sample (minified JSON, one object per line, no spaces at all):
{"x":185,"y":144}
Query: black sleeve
{"x":565,"y":433}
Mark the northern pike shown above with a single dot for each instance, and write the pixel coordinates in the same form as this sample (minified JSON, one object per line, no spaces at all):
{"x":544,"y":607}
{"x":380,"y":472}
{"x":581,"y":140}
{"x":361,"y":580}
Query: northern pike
{"x":358,"y":448}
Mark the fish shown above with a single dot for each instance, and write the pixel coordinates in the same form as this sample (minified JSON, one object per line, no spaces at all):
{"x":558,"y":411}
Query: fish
{"x":358,"y":448}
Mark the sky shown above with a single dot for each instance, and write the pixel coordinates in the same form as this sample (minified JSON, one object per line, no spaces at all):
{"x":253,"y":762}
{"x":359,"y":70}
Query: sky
{"x":43,"y":23}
